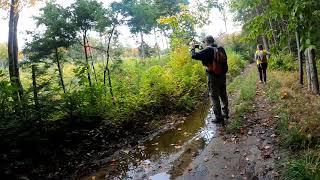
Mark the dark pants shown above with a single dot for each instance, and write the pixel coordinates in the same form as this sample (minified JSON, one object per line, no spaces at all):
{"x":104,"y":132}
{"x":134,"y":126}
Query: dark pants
{"x":217,"y":92}
{"x":262,"y":68}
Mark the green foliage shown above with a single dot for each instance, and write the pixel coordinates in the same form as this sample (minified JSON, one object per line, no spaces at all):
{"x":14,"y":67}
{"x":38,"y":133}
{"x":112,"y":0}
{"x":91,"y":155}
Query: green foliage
{"x":245,"y":86}
{"x":235,"y":63}
{"x":6,"y":91}
{"x":282,"y":61}
{"x":236,"y":43}
{"x":288,"y":16}
{"x":306,"y":167}
{"x":88,"y":15}
{"x":142,"y":16}
{"x":3,"y":54}
{"x":183,"y":25}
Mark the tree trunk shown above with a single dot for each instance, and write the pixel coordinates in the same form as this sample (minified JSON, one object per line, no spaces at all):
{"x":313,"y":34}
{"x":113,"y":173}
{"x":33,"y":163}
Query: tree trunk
{"x":289,"y":42}
{"x":34,"y":86}
{"x":60,"y":71}
{"x":275,"y":40}
{"x":10,"y":45}
{"x":224,"y":18}
{"x":107,"y":66}
{"x":86,"y":56}
{"x":265,"y":42}
{"x":142,"y":46}
{"x":308,"y":70}
{"x":313,"y":70}
{"x":92,"y":63}
{"x":157,"y":45}
{"x":299,"y":58}
{"x":264,"y":38}
{"x":13,"y":52}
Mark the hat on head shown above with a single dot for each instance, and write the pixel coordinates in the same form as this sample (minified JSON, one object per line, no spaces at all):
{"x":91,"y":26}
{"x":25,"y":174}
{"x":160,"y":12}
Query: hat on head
{"x":209,"y":39}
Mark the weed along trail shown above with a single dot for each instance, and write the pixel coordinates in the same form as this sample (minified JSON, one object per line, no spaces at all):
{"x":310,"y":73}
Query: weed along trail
{"x":245,"y":149}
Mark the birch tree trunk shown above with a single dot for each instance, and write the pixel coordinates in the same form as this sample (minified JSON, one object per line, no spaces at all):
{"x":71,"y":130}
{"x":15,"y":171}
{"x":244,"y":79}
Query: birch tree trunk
{"x":275,"y":40}
{"x":299,"y":58}
{"x":313,"y":70}
{"x":308,"y":69}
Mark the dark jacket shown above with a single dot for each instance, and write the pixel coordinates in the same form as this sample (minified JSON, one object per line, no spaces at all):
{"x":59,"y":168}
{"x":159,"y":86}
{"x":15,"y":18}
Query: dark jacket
{"x":206,"y":55}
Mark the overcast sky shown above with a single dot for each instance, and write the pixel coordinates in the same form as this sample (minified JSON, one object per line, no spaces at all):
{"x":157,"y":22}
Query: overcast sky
{"x":26,"y":23}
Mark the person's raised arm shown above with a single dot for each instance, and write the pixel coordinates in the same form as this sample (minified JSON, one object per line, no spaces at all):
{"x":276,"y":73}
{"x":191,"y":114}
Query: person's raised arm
{"x":201,"y":55}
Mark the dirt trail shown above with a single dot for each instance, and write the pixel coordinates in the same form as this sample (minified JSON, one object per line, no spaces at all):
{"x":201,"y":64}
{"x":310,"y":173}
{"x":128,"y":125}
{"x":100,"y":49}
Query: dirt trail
{"x":249,"y":155}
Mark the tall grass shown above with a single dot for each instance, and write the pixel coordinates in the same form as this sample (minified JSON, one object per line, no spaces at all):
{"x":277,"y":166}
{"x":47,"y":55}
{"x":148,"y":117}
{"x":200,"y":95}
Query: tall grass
{"x":297,"y":126}
{"x":245,"y":88}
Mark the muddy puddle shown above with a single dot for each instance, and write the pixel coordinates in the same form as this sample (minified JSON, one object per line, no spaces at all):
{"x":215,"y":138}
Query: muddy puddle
{"x":165,"y":156}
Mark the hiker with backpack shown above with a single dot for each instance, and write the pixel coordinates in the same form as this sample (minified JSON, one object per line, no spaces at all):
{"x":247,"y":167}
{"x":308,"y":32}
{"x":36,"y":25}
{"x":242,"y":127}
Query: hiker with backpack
{"x":215,"y":60}
{"x":261,"y":57}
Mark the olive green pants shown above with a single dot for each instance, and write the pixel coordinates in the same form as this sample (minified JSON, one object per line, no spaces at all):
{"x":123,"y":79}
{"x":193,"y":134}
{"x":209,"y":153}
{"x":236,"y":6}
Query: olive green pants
{"x":217,"y":93}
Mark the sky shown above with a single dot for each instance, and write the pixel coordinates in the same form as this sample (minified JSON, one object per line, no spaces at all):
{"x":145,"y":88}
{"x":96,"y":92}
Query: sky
{"x":26,"y":23}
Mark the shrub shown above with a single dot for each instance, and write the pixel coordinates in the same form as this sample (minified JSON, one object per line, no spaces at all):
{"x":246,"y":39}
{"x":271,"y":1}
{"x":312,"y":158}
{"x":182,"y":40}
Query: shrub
{"x":282,"y":61}
{"x":235,"y":63}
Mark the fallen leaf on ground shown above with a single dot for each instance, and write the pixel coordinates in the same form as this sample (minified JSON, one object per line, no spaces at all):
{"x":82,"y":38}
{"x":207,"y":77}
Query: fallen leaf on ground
{"x":206,"y":159}
{"x":179,"y":129}
{"x":267,"y":154}
{"x":267,"y":147}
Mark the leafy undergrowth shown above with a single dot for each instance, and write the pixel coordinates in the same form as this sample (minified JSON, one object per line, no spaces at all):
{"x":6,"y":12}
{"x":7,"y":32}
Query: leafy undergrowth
{"x":298,"y":124}
{"x":245,"y":87}
{"x":86,"y":123}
